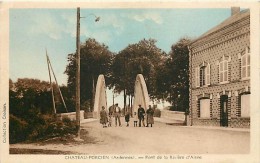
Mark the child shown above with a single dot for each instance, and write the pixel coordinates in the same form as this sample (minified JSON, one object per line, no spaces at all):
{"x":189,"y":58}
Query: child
{"x":110,"y":120}
{"x":127,"y":118}
{"x":135,"y":119}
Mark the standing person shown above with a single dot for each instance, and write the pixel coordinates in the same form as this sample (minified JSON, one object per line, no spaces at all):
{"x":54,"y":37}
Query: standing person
{"x":127,"y":118}
{"x":103,"y":117}
{"x":110,"y":121}
{"x":117,"y":113}
{"x":149,"y":114}
{"x":141,"y":113}
{"x":135,"y":119}
{"x":111,"y":109}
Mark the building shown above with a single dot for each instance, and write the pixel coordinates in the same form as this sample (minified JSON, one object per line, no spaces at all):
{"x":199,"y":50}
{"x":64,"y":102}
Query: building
{"x":219,"y":66}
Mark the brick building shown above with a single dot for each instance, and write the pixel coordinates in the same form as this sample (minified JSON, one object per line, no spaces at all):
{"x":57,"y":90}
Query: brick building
{"x":220,"y":74}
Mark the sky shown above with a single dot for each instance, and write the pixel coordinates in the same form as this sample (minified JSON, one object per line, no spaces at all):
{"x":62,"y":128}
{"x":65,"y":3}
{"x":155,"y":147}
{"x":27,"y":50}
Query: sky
{"x":33,"y":31}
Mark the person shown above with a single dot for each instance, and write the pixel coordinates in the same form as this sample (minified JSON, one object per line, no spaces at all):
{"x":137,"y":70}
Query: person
{"x":117,"y":113}
{"x":111,"y":110}
{"x":110,"y":120}
{"x":103,"y":117}
{"x":141,"y":114}
{"x":127,"y":118}
{"x":135,"y":119}
{"x":149,"y":114}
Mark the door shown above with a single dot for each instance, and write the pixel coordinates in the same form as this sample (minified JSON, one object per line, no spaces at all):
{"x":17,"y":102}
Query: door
{"x":224,"y":110}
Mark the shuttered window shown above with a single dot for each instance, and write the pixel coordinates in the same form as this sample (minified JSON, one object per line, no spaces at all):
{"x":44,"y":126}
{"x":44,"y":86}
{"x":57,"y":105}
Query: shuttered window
{"x":245,"y":105}
{"x":223,"y":71}
{"x":207,"y":74}
{"x":245,"y":66}
{"x":205,"y":108}
{"x":197,"y":76}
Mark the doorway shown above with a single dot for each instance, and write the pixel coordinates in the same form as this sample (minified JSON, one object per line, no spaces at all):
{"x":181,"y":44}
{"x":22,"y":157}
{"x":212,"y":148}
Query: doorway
{"x":224,"y":111}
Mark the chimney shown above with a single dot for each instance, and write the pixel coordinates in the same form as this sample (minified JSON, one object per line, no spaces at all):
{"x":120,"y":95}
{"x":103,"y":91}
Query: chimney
{"x":235,"y":10}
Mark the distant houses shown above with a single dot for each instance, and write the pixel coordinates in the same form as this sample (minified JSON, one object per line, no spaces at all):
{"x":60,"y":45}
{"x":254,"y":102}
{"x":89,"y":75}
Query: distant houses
{"x":220,"y":74}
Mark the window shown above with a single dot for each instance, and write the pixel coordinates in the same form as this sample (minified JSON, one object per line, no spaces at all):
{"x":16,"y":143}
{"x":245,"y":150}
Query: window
{"x":245,"y":105}
{"x":245,"y":65}
{"x":208,"y":74}
{"x":223,"y":71}
{"x":202,"y":75}
{"x":205,"y":108}
{"x":197,"y":76}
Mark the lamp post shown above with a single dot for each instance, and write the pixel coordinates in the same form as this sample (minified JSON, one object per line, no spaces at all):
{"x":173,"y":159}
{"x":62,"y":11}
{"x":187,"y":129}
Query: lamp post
{"x":78,"y":72}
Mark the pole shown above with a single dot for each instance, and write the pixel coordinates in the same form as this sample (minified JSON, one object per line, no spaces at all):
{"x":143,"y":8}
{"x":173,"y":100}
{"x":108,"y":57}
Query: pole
{"x":57,"y":85}
{"x":53,"y":101}
{"x":93,"y":93}
{"x":113,"y":98}
{"x":78,"y":74}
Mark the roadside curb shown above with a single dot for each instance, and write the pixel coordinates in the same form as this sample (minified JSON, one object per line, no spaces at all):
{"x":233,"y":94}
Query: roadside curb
{"x":219,"y":128}
{"x":168,"y":121}
{"x":88,"y":120}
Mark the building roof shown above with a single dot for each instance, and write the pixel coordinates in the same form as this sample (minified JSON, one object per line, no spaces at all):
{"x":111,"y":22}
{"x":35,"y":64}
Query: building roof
{"x":232,"y":19}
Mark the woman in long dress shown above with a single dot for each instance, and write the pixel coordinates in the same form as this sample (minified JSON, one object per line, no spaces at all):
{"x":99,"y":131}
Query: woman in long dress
{"x":103,"y":117}
{"x":149,"y":114}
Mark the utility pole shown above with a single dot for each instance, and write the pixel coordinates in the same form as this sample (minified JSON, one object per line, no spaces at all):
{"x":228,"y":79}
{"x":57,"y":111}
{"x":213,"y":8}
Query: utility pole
{"x":78,"y":75}
{"x":52,"y":93}
{"x":64,"y":104}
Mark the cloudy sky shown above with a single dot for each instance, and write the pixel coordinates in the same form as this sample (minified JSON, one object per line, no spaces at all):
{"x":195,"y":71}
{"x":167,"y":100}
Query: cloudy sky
{"x":34,"y":30}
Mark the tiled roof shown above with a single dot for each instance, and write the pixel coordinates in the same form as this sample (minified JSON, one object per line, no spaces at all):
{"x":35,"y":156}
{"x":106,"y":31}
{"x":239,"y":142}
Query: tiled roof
{"x":236,"y":17}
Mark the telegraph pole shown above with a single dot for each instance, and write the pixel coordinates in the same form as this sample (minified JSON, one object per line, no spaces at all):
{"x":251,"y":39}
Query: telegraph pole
{"x":78,"y":75}
{"x":52,"y":93}
{"x":78,"y":72}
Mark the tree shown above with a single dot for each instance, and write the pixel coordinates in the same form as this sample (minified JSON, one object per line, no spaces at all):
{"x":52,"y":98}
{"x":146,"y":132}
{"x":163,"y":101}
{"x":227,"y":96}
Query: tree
{"x":173,"y":77}
{"x":143,"y":58}
{"x":29,"y":93}
{"x":95,"y":59}
{"x":31,"y":114}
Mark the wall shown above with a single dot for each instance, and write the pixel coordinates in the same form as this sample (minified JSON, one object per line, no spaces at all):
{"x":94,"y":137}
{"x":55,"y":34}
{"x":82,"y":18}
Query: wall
{"x":174,"y":115}
{"x":71,"y":115}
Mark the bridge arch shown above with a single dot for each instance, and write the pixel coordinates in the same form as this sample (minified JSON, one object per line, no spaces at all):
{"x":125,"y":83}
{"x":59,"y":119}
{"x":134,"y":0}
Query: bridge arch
{"x":140,"y":93}
{"x":100,"y":96}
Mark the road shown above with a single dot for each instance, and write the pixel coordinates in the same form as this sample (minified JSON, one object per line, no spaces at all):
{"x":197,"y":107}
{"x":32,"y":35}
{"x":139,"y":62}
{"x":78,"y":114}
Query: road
{"x":160,"y":139}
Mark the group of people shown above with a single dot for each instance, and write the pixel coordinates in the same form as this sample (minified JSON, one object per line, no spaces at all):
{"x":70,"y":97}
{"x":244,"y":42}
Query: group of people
{"x":140,"y":116}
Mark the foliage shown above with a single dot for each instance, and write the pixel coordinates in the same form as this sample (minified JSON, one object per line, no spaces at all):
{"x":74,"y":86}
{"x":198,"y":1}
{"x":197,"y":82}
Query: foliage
{"x":17,"y":130}
{"x":29,"y":93}
{"x":32,"y":93}
{"x":173,"y":77}
{"x":140,"y":58}
{"x":39,"y":127}
{"x":95,"y":59}
{"x":31,"y":113}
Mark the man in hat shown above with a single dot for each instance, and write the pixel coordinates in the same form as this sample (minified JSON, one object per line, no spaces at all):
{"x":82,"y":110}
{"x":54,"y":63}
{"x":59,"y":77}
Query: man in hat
{"x":141,"y":113}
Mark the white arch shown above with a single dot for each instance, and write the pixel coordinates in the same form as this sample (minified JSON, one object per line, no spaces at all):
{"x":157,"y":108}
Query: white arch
{"x":141,"y":96}
{"x":100,"y":96}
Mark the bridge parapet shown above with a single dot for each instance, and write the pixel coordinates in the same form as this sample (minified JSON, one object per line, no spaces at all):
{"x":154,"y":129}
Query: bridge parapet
{"x":71,"y":115}
{"x":173,"y":115}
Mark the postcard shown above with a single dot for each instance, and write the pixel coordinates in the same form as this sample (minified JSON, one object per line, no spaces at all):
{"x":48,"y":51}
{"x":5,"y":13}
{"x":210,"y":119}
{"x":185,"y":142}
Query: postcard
{"x":129,"y":82}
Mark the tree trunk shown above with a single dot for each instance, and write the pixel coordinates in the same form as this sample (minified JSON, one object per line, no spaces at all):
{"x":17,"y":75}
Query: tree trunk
{"x":93,"y":93}
{"x":124,"y":100}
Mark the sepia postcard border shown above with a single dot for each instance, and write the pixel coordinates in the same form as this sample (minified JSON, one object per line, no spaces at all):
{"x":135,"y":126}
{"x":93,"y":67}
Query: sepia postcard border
{"x":253,"y":156}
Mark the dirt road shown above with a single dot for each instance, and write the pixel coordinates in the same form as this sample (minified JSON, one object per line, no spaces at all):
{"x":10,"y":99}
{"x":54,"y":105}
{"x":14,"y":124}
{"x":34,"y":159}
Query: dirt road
{"x":160,"y":139}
